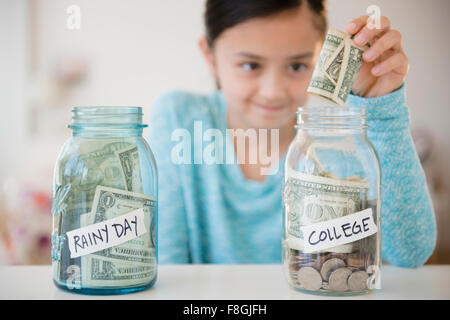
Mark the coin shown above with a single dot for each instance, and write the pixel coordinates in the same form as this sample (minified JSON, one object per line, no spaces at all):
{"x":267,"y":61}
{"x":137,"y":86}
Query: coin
{"x":329,"y":266}
{"x":356,"y":260}
{"x":341,"y":256}
{"x":338,"y":279}
{"x":309,"y":278}
{"x":305,"y":260}
{"x":358,"y":281}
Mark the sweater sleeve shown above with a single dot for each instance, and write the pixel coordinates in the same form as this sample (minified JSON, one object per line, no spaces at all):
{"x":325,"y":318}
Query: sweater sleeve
{"x":407,"y":220}
{"x":173,"y":239}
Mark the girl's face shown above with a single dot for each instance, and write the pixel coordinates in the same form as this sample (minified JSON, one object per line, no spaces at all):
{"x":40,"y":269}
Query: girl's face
{"x":264,"y":66}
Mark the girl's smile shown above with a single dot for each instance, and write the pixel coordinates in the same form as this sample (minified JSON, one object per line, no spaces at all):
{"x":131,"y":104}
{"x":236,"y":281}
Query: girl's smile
{"x":264,"y":66}
{"x":270,"y":108}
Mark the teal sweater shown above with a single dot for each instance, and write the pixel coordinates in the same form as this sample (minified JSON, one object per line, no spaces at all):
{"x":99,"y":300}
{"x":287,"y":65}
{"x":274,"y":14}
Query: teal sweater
{"x":210,"y":213}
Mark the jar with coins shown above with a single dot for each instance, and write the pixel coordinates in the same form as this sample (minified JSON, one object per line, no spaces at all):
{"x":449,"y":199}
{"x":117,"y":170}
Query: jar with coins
{"x":105,"y":204}
{"x":331,"y":199}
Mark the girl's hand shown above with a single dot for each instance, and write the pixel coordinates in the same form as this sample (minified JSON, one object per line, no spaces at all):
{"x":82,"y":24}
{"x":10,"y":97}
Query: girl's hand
{"x":385,"y":63}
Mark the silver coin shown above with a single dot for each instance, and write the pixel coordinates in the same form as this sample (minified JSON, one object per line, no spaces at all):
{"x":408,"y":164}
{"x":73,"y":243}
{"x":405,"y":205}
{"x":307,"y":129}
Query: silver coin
{"x":329,"y":266}
{"x":338,"y":279}
{"x":358,"y":281}
{"x":309,"y":278}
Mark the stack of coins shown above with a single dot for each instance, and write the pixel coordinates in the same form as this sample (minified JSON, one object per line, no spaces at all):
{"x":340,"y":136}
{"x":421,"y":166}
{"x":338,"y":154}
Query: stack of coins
{"x":330,"y":272}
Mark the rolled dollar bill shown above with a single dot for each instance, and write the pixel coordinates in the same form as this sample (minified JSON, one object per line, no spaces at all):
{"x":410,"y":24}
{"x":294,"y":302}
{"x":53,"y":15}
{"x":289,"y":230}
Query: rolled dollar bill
{"x":339,"y":63}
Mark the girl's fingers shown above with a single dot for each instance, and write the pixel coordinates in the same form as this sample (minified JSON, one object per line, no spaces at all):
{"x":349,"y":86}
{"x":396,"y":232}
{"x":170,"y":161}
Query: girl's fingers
{"x":397,"y":60}
{"x":366,"y":34}
{"x":357,"y":24}
{"x":391,"y":40}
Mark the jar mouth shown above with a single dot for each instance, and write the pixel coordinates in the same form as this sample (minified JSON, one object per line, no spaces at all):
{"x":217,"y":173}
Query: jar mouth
{"x":339,"y":117}
{"x":107,"y":116}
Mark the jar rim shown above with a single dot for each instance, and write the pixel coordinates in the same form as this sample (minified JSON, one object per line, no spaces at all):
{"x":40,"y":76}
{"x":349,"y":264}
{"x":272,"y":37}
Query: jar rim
{"x":333,"y":111}
{"x":108,"y":109}
{"x":107,"y":116}
{"x":337,"y":117}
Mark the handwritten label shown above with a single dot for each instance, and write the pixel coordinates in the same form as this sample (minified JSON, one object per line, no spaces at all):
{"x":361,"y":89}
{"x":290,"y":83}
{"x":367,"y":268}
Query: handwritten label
{"x":335,"y":232}
{"x":106,"y":234}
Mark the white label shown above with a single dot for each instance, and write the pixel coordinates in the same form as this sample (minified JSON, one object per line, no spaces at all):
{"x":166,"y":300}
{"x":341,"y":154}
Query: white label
{"x":335,"y":232}
{"x":106,"y":234}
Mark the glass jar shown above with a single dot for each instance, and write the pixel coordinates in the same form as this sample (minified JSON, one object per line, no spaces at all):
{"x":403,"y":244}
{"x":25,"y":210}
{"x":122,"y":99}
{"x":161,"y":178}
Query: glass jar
{"x":331,"y":199}
{"x":105,"y":204}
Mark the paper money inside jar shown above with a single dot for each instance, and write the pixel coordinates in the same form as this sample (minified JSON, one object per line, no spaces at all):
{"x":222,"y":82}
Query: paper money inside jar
{"x":105,"y":204}
{"x":331,"y":199}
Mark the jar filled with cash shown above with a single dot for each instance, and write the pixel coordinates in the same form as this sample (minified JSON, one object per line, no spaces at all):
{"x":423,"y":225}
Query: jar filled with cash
{"x":105,"y":204}
{"x":331,"y":198}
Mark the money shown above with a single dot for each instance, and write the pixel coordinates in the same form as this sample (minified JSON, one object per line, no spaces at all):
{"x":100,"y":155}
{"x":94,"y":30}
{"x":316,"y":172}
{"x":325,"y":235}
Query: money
{"x":297,"y":262}
{"x":338,"y":279}
{"x":339,"y":62}
{"x":109,"y":203}
{"x":331,"y":255}
{"x":318,"y":169}
{"x":99,"y":165}
{"x":80,"y":171}
{"x":309,"y":278}
{"x":358,"y":281}
{"x":329,"y":266}
{"x":310,"y":199}
{"x":335,"y":276}
{"x":356,"y":260}
{"x":95,"y":167}
{"x":130,"y":167}
{"x":102,"y":273}
{"x":92,"y":164}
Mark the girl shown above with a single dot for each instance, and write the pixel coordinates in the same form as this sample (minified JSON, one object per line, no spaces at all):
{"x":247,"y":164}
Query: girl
{"x":262,"y":55}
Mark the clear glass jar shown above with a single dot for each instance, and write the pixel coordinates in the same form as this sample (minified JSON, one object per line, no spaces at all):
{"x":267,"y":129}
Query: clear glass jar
{"x":331,"y":199}
{"x":105,"y":204}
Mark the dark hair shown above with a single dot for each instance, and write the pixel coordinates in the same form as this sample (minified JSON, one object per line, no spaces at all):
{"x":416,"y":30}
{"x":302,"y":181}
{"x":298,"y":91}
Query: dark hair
{"x":223,"y":14}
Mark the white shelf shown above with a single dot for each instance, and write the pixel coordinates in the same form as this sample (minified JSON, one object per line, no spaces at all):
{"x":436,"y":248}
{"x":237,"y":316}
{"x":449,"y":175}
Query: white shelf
{"x":228,"y":282}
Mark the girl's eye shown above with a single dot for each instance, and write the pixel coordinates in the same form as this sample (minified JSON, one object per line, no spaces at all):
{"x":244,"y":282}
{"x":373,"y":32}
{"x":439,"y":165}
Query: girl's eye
{"x":250,"y":66}
{"x":296,"y":67}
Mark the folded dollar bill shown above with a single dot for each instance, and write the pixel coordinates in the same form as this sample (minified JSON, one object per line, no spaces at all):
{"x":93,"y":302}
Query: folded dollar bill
{"x":339,"y":62}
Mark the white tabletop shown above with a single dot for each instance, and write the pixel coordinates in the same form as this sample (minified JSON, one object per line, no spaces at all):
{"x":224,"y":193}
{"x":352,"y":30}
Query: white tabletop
{"x":229,"y":282}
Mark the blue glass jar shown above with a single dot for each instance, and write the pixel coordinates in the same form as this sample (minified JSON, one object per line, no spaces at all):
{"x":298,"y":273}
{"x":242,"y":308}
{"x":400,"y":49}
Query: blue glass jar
{"x":332,"y":204}
{"x":104,"y":238}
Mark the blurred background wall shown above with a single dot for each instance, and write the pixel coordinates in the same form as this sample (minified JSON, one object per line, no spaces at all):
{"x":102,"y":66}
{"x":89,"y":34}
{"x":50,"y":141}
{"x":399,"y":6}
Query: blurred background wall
{"x":128,"y":53}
